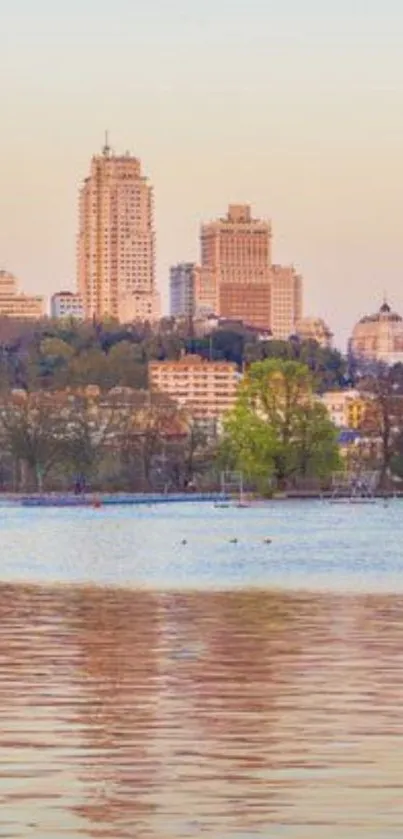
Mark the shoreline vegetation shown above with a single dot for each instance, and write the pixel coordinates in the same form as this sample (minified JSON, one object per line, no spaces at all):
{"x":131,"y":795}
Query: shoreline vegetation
{"x":77,"y":415}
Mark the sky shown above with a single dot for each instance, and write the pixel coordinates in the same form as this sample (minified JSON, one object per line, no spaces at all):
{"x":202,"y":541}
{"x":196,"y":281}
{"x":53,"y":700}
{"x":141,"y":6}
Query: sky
{"x":295,"y":107}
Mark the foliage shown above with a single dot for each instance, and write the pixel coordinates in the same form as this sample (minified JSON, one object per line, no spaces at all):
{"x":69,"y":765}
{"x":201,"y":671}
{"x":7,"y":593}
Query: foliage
{"x":53,"y":354}
{"x":278,"y":428}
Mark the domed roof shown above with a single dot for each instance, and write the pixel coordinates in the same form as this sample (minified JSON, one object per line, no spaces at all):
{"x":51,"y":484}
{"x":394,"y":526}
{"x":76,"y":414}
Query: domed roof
{"x":379,"y":336}
{"x":384,"y":313}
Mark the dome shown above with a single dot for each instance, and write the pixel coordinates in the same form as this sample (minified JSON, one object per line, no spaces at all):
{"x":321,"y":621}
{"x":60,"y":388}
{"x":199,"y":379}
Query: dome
{"x":379,"y":336}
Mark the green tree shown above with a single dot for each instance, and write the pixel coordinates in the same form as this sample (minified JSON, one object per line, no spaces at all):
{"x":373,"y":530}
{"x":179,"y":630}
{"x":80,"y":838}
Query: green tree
{"x":278,"y":428}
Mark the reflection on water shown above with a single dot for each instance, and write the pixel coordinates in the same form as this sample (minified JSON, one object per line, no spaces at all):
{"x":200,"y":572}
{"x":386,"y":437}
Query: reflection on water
{"x":164,"y":716}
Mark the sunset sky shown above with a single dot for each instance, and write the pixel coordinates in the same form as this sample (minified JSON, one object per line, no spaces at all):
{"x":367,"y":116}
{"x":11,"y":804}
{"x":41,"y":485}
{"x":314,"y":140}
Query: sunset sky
{"x":295,"y":107}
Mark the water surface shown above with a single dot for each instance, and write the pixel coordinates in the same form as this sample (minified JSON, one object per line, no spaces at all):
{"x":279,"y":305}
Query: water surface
{"x":208,"y":689}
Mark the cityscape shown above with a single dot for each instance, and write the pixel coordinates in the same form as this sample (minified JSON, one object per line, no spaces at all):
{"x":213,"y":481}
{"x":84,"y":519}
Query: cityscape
{"x":201,"y":420}
{"x":236,"y":292}
{"x":235,"y":279}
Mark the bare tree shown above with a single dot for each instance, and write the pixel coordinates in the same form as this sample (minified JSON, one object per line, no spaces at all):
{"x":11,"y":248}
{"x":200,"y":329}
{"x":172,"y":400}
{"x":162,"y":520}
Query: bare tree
{"x":382,"y":389}
{"x":32,"y":429}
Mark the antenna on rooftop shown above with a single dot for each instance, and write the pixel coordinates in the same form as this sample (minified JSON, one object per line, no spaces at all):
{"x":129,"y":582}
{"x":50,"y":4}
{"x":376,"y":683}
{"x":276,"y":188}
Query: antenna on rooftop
{"x":106,"y":149}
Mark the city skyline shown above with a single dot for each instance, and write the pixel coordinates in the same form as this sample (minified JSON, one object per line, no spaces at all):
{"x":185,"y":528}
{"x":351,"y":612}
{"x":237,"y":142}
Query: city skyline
{"x":293,"y":113}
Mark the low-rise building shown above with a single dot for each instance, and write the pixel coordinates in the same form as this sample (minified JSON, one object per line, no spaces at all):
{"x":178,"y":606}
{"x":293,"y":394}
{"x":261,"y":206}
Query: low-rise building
{"x":346,"y":408}
{"x":207,"y":389}
{"x":66,"y":304}
{"x":315,"y":329}
{"x":13,"y":304}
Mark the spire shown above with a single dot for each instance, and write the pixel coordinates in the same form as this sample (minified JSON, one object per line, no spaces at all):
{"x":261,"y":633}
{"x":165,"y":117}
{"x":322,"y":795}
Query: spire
{"x":106,"y":149}
{"x":385,"y":308}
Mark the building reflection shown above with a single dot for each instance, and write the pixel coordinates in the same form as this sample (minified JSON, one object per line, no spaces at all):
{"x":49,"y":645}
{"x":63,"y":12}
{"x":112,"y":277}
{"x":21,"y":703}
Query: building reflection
{"x":224,"y":714}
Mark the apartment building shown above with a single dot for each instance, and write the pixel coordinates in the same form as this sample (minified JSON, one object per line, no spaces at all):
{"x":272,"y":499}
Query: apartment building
{"x":116,"y":240}
{"x":14,"y":304}
{"x":286,"y":301}
{"x":206,"y":389}
{"x":236,"y":259}
{"x":66,"y":304}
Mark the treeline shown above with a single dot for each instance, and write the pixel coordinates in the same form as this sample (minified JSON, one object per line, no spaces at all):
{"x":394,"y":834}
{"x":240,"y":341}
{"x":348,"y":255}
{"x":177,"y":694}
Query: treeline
{"x":52,"y":354}
{"x":125,"y":440}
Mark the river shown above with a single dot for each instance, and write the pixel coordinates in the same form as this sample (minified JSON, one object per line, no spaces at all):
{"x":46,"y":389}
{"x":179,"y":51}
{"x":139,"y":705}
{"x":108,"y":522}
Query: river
{"x":160,"y":680}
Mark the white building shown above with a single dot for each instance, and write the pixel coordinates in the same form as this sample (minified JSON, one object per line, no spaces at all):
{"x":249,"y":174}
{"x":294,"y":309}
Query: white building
{"x":342,"y":405}
{"x":182,"y":290}
{"x":66,"y":304}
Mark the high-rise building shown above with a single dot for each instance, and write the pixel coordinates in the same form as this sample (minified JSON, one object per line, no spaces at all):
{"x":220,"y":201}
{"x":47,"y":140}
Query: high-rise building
{"x":286,"y":301}
{"x":182,"y":288}
{"x":236,"y":261}
{"x":14,"y":304}
{"x":116,"y":240}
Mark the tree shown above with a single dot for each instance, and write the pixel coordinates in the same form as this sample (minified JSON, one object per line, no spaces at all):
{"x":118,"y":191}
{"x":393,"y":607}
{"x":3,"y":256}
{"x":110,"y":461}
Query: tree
{"x":382,"y":388}
{"x":278,"y":428}
{"x":149,"y":427}
{"x":189,"y":454}
{"x":32,"y":430}
{"x":126,"y":366}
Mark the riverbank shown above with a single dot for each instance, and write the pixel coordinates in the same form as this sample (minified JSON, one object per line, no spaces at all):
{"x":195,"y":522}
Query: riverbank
{"x":98,"y":499}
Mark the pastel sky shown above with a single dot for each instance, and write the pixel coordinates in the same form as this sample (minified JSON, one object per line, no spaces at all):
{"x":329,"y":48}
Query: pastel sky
{"x":295,"y":107}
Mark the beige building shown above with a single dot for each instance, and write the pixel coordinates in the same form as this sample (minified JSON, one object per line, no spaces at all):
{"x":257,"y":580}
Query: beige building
{"x":207,"y":389}
{"x":345,"y":407}
{"x":315,"y":329}
{"x":13,"y":304}
{"x":286,"y":301}
{"x":235,"y":262}
{"x":379,"y":337}
{"x":116,"y":240}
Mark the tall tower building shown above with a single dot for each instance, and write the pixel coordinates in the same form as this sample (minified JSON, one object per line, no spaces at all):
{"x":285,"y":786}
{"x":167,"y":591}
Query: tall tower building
{"x":236,"y":257}
{"x":116,"y":240}
{"x":182,"y":289}
{"x":286,"y":301}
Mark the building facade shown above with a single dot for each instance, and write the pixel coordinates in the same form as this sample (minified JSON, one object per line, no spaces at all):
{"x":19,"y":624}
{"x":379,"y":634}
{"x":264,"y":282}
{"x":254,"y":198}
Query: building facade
{"x":182,"y":289}
{"x":206,"y":389}
{"x":315,"y":329}
{"x":378,"y":337}
{"x":346,"y":408}
{"x":13,"y":304}
{"x":66,"y":304}
{"x":116,"y":240}
{"x":235,"y":262}
{"x":286,"y":301}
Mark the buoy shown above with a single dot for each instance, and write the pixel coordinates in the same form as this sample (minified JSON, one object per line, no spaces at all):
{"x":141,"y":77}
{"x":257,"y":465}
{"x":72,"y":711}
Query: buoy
{"x":184,"y":542}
